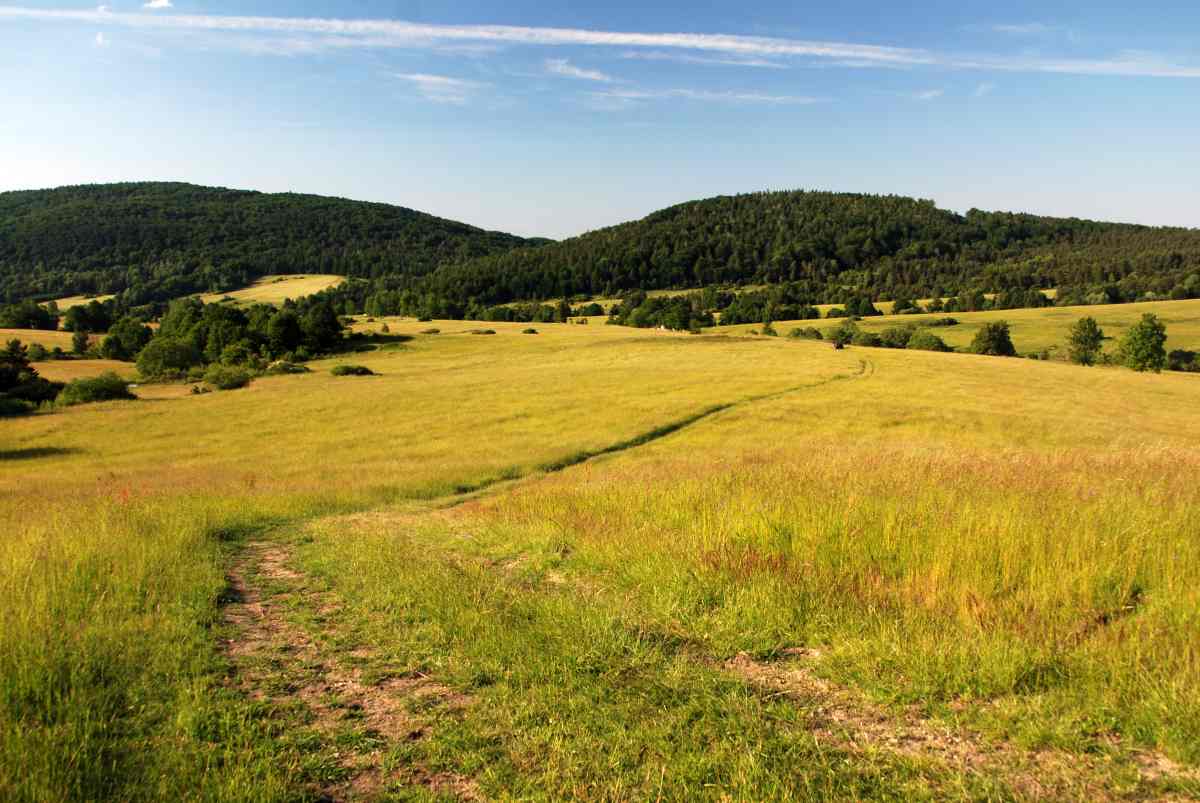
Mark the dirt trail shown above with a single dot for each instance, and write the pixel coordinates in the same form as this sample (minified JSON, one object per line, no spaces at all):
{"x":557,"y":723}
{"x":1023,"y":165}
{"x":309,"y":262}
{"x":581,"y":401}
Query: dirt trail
{"x":280,"y":662}
{"x":852,"y":722}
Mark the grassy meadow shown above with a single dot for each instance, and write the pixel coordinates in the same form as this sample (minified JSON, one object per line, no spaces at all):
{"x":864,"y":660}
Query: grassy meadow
{"x":1032,"y":329}
{"x":612,"y":564}
{"x":276,"y":289}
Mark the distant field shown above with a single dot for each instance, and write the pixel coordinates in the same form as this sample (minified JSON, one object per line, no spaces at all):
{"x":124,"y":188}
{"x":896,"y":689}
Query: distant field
{"x":610,"y":564}
{"x":67,"y":370}
{"x":65,"y":304}
{"x":46,"y":338}
{"x":1032,"y":329}
{"x":277,"y":289}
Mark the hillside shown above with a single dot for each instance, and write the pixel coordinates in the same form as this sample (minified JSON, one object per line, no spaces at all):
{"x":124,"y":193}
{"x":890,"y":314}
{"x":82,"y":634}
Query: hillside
{"x":888,"y":246}
{"x":164,"y":240}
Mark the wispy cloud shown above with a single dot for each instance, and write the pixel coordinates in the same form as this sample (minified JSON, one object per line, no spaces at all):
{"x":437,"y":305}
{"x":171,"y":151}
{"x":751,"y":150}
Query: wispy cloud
{"x":442,"y":88}
{"x":928,"y":95}
{"x":684,"y":58}
{"x":1025,"y":29}
{"x":984,"y":89}
{"x":101,"y":40}
{"x":157,"y":4}
{"x":632,"y":95}
{"x":566,"y":69}
{"x":360,"y":33}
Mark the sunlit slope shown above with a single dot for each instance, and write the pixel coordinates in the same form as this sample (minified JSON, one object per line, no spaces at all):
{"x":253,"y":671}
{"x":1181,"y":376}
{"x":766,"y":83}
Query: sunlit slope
{"x":276,"y":289}
{"x":1032,"y":329}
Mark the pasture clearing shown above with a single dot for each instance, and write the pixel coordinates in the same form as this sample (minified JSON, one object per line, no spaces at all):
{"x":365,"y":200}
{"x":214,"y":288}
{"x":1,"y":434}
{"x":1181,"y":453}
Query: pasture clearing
{"x":609,"y":563}
{"x":276,"y":289}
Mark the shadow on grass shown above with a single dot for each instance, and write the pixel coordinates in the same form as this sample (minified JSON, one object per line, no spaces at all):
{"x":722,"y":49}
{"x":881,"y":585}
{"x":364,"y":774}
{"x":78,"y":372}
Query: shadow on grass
{"x":34,"y":452}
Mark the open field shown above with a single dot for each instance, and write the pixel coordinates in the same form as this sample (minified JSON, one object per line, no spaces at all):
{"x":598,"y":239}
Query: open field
{"x":276,"y":289}
{"x":68,"y":370}
{"x":1032,"y":329}
{"x":615,"y":564}
{"x":47,"y":338}
{"x":65,"y":304}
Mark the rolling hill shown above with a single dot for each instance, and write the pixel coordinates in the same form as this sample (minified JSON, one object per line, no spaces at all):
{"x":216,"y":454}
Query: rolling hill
{"x":161,"y":240}
{"x":886,"y":246}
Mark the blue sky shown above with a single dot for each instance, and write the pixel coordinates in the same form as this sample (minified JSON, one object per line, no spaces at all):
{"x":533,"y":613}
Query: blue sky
{"x":551,"y":120}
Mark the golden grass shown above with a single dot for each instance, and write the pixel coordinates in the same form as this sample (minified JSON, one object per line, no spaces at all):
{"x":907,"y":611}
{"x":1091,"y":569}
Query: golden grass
{"x":49,"y":339}
{"x":276,"y":289}
{"x":65,"y":304}
{"x":1005,"y":542}
{"x":68,"y":370}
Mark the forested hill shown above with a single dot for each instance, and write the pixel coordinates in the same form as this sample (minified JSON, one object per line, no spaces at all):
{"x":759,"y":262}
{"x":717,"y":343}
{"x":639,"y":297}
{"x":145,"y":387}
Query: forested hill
{"x":163,"y":240}
{"x":828,"y":243}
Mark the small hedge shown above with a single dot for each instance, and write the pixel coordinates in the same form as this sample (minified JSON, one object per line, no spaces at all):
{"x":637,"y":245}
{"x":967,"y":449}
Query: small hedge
{"x":926,"y":341}
{"x":226,"y":377}
{"x":483,"y":331}
{"x":106,"y":387}
{"x":529,"y":331}
{"x":431,"y":331}
{"x":351,"y":370}
{"x":285,"y":367}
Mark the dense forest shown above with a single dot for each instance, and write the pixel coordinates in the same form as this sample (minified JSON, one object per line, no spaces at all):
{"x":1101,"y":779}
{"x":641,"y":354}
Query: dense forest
{"x":155,"y":241}
{"x":838,"y":245}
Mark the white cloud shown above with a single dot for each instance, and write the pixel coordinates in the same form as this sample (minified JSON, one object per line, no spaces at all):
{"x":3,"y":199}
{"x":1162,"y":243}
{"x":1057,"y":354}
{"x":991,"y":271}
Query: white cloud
{"x":684,"y":58}
{"x":568,"y":70}
{"x":351,"y":33}
{"x":442,"y":88}
{"x":101,"y":40}
{"x":984,"y":89}
{"x":103,"y":9}
{"x":630,"y":95}
{"x":929,"y":94}
{"x":157,"y":4}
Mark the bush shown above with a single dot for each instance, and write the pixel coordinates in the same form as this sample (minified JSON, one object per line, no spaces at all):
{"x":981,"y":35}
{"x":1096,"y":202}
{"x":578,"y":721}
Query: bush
{"x":36,"y":352}
{"x":10,"y":406}
{"x":1181,"y":360}
{"x":483,"y":331}
{"x":994,"y":340}
{"x":869,"y":339}
{"x":926,"y":341}
{"x":165,"y":356}
{"x":896,"y":337}
{"x":106,"y":387}
{"x":529,"y":331}
{"x":431,"y":331}
{"x":285,"y":367}
{"x":806,"y":333}
{"x":942,"y":322}
{"x":384,"y":328}
{"x":226,"y":377}
{"x":351,"y":370}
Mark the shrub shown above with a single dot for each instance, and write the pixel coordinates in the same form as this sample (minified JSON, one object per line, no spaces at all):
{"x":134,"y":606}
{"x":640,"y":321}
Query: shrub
{"x":431,"y":331}
{"x":285,"y":367}
{"x":942,"y":322}
{"x":483,"y":331}
{"x":994,"y":340}
{"x":36,"y":352}
{"x":867,"y":339}
{"x":80,"y":341}
{"x":768,"y":329}
{"x":806,"y":333}
{"x":1084,"y":341}
{"x":1143,"y":348}
{"x":384,"y":328}
{"x":166,"y":356}
{"x":845,"y":333}
{"x":351,"y":370}
{"x":896,"y":337}
{"x":1181,"y":360}
{"x":10,"y":406}
{"x":926,"y":341}
{"x":529,"y":331}
{"x":226,"y":377}
{"x":106,"y":387}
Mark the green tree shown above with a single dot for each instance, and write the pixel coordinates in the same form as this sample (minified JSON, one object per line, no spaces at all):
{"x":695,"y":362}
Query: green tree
{"x":994,"y":339}
{"x":1143,"y":348}
{"x":79,"y":341}
{"x":164,"y":356}
{"x":125,"y":339}
{"x":1084,"y":341}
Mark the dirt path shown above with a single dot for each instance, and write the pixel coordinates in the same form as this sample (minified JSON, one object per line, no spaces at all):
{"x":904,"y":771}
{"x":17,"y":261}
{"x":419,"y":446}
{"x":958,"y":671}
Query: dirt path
{"x":289,"y":666}
{"x":854,"y":723}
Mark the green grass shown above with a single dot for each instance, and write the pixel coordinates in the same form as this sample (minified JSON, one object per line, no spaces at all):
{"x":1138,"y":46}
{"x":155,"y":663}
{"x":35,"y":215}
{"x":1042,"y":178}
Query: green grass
{"x":576,"y":533}
{"x":1033,"y":329}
